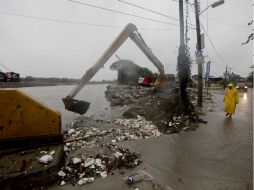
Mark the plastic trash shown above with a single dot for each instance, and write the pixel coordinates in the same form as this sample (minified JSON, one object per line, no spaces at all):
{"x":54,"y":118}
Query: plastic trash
{"x":62,"y":183}
{"x":138,"y":177}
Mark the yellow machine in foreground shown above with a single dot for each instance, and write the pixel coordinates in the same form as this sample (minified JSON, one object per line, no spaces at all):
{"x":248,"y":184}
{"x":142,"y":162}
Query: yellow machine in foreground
{"x":25,"y":121}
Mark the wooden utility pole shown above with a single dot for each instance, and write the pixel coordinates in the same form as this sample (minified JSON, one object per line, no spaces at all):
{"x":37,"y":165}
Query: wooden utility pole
{"x":199,"y":54}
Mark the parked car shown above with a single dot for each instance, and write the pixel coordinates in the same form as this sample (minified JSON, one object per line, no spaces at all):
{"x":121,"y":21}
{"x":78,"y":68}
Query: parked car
{"x":242,"y":87}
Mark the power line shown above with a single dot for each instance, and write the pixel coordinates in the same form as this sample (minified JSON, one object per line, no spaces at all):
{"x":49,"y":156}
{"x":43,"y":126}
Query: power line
{"x":56,"y":20}
{"x":123,"y":13}
{"x":219,"y":21}
{"x":79,"y":23}
{"x":216,"y":50}
{"x":173,"y":18}
{"x":149,"y":10}
{"x":212,"y":44}
{"x":223,"y":22}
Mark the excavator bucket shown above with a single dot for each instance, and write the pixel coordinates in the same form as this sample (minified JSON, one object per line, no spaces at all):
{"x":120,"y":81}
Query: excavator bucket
{"x":76,"y":106}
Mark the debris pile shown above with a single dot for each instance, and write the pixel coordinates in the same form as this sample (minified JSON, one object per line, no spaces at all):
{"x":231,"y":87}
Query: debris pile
{"x":82,"y":135}
{"x":85,"y":168}
{"x":120,"y":95}
{"x":139,"y":128}
{"x":163,"y":108}
{"x":177,"y":124}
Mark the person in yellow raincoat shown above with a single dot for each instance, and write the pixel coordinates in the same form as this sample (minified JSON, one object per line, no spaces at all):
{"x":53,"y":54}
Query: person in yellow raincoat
{"x":231,"y":98}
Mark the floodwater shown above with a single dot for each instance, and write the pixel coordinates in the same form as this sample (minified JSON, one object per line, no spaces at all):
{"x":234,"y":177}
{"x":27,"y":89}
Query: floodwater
{"x":52,"y":96}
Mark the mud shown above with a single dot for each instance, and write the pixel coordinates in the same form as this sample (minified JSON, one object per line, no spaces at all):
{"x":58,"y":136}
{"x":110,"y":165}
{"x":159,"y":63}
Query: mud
{"x":162,"y":107}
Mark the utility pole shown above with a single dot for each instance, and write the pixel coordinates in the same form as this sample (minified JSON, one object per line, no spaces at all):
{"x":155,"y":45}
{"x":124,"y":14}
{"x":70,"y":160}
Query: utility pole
{"x":226,"y":73}
{"x":181,"y":24}
{"x":199,"y":54}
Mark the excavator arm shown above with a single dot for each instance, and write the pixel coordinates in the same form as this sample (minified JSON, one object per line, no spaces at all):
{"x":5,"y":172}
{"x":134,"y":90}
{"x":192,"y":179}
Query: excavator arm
{"x":130,"y":30}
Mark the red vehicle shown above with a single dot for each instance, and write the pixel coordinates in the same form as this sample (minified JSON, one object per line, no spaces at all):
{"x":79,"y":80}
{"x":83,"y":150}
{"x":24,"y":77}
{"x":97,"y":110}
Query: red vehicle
{"x":146,"y":81}
{"x":9,"y":77}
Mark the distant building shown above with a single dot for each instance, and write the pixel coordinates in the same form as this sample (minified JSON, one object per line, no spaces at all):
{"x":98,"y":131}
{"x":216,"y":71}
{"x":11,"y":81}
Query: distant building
{"x":215,"y":80}
{"x":170,"y":77}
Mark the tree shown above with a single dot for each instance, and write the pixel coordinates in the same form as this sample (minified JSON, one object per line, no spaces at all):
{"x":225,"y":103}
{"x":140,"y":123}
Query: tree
{"x":250,"y":77}
{"x":251,"y":36}
{"x":129,"y":72}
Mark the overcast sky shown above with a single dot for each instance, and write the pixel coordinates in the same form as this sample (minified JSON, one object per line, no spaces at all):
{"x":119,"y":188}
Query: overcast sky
{"x":45,"y":48}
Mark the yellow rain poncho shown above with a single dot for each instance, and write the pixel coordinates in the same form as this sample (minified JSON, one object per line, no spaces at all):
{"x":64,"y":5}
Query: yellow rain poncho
{"x":231,"y":98}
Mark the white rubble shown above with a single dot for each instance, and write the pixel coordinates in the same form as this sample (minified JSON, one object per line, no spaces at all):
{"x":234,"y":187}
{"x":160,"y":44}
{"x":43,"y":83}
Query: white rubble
{"x":62,"y":183}
{"x":89,"y":162}
{"x":86,"y":180}
{"x":76,"y":160}
{"x":45,"y":159}
{"x":104,"y":174}
{"x":118,"y":154}
{"x":61,"y":173}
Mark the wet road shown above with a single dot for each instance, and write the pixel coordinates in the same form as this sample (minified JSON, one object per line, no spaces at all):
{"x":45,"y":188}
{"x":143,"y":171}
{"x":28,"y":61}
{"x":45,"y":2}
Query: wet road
{"x":217,"y":156}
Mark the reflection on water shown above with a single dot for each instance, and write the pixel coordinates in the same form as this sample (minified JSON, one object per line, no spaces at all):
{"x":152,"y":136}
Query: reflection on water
{"x":245,"y":96}
{"x":228,"y":123}
{"x":52,"y":96}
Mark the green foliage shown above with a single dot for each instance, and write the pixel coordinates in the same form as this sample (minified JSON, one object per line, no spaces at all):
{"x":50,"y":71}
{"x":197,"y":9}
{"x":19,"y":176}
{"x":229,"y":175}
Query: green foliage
{"x":234,"y":78}
{"x":250,"y":77}
{"x":55,"y":80}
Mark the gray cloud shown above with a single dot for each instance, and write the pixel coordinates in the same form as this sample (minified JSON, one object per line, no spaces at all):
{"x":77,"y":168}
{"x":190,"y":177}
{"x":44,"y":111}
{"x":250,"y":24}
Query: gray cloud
{"x":47,"y":48}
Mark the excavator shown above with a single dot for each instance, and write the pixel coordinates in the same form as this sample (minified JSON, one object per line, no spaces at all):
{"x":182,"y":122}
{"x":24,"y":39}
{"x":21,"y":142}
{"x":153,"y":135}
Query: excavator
{"x":25,"y":121}
{"x":130,"y":31}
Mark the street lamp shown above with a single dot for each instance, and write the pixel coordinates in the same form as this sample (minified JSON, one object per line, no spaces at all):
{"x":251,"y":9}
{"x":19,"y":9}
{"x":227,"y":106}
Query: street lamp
{"x":199,"y":49}
{"x":213,"y":5}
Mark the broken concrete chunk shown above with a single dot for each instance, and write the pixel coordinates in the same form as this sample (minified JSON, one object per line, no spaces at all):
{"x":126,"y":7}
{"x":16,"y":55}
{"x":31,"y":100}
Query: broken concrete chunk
{"x":76,"y":160}
{"x":45,"y":159}
{"x":89,"y":162}
{"x":98,"y":162}
{"x":71,"y":131}
{"x":118,"y":154}
{"x":86,"y":180}
{"x":104,"y":174}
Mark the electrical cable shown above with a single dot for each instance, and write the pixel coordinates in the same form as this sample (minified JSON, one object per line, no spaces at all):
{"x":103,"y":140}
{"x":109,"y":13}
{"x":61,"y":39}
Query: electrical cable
{"x":223,"y":22}
{"x":217,"y":51}
{"x":55,"y":20}
{"x":149,"y":10}
{"x":161,"y":14}
{"x":208,"y":37}
{"x":79,"y":23}
{"x":219,"y":21}
{"x":123,"y":13}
